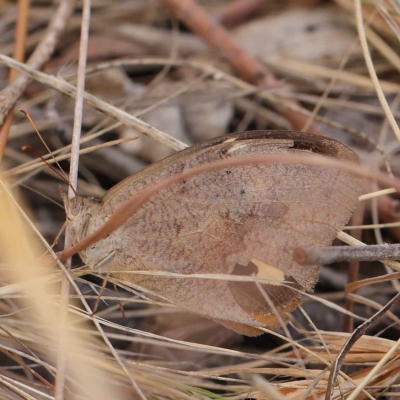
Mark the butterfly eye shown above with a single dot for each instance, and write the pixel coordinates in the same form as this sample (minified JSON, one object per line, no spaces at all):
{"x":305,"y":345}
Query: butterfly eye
{"x":75,"y":208}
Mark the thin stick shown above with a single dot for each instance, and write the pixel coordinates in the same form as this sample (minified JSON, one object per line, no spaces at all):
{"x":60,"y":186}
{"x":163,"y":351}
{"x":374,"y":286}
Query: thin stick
{"x":350,"y":240}
{"x":329,"y":255}
{"x":62,"y":358}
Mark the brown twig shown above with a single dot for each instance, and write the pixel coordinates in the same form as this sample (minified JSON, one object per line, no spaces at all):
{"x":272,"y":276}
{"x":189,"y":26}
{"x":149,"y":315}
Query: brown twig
{"x":351,"y":241}
{"x":43,"y":51}
{"x":19,"y":54}
{"x":357,"y":334}
{"x":214,"y":34}
{"x":331,"y":254}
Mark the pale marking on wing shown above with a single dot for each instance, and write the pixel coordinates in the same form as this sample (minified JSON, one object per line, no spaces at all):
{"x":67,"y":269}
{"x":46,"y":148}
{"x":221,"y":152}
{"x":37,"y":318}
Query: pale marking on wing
{"x":270,"y":143}
{"x":230,"y":140}
{"x":267,"y":271}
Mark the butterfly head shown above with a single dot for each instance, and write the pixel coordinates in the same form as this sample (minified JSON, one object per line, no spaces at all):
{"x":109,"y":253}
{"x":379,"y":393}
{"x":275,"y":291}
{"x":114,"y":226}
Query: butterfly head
{"x":84,"y":218}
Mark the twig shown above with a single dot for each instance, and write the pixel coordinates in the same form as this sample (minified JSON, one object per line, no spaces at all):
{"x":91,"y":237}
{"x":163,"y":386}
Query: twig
{"x":62,"y":358}
{"x":195,"y":17}
{"x":19,"y":54}
{"x":42,"y":53}
{"x":357,"y":334}
{"x":344,"y":237}
{"x":331,"y":254}
{"x":93,"y":101}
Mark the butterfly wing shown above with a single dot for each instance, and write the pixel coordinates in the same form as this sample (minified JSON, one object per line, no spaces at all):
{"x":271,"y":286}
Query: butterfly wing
{"x":241,"y":221}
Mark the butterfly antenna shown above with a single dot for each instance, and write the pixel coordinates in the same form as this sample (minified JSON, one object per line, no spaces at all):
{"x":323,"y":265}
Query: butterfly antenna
{"x":42,"y":140}
{"x":62,"y":175}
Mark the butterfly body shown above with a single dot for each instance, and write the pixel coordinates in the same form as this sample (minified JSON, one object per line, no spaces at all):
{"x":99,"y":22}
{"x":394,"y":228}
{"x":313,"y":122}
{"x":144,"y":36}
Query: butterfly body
{"x":239,"y":221}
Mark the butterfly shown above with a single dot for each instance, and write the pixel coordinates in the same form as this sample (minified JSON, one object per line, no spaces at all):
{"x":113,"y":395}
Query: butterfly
{"x":242,"y":222}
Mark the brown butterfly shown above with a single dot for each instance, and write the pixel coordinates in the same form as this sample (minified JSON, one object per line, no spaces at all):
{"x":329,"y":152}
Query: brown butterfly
{"x":245,"y":220}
